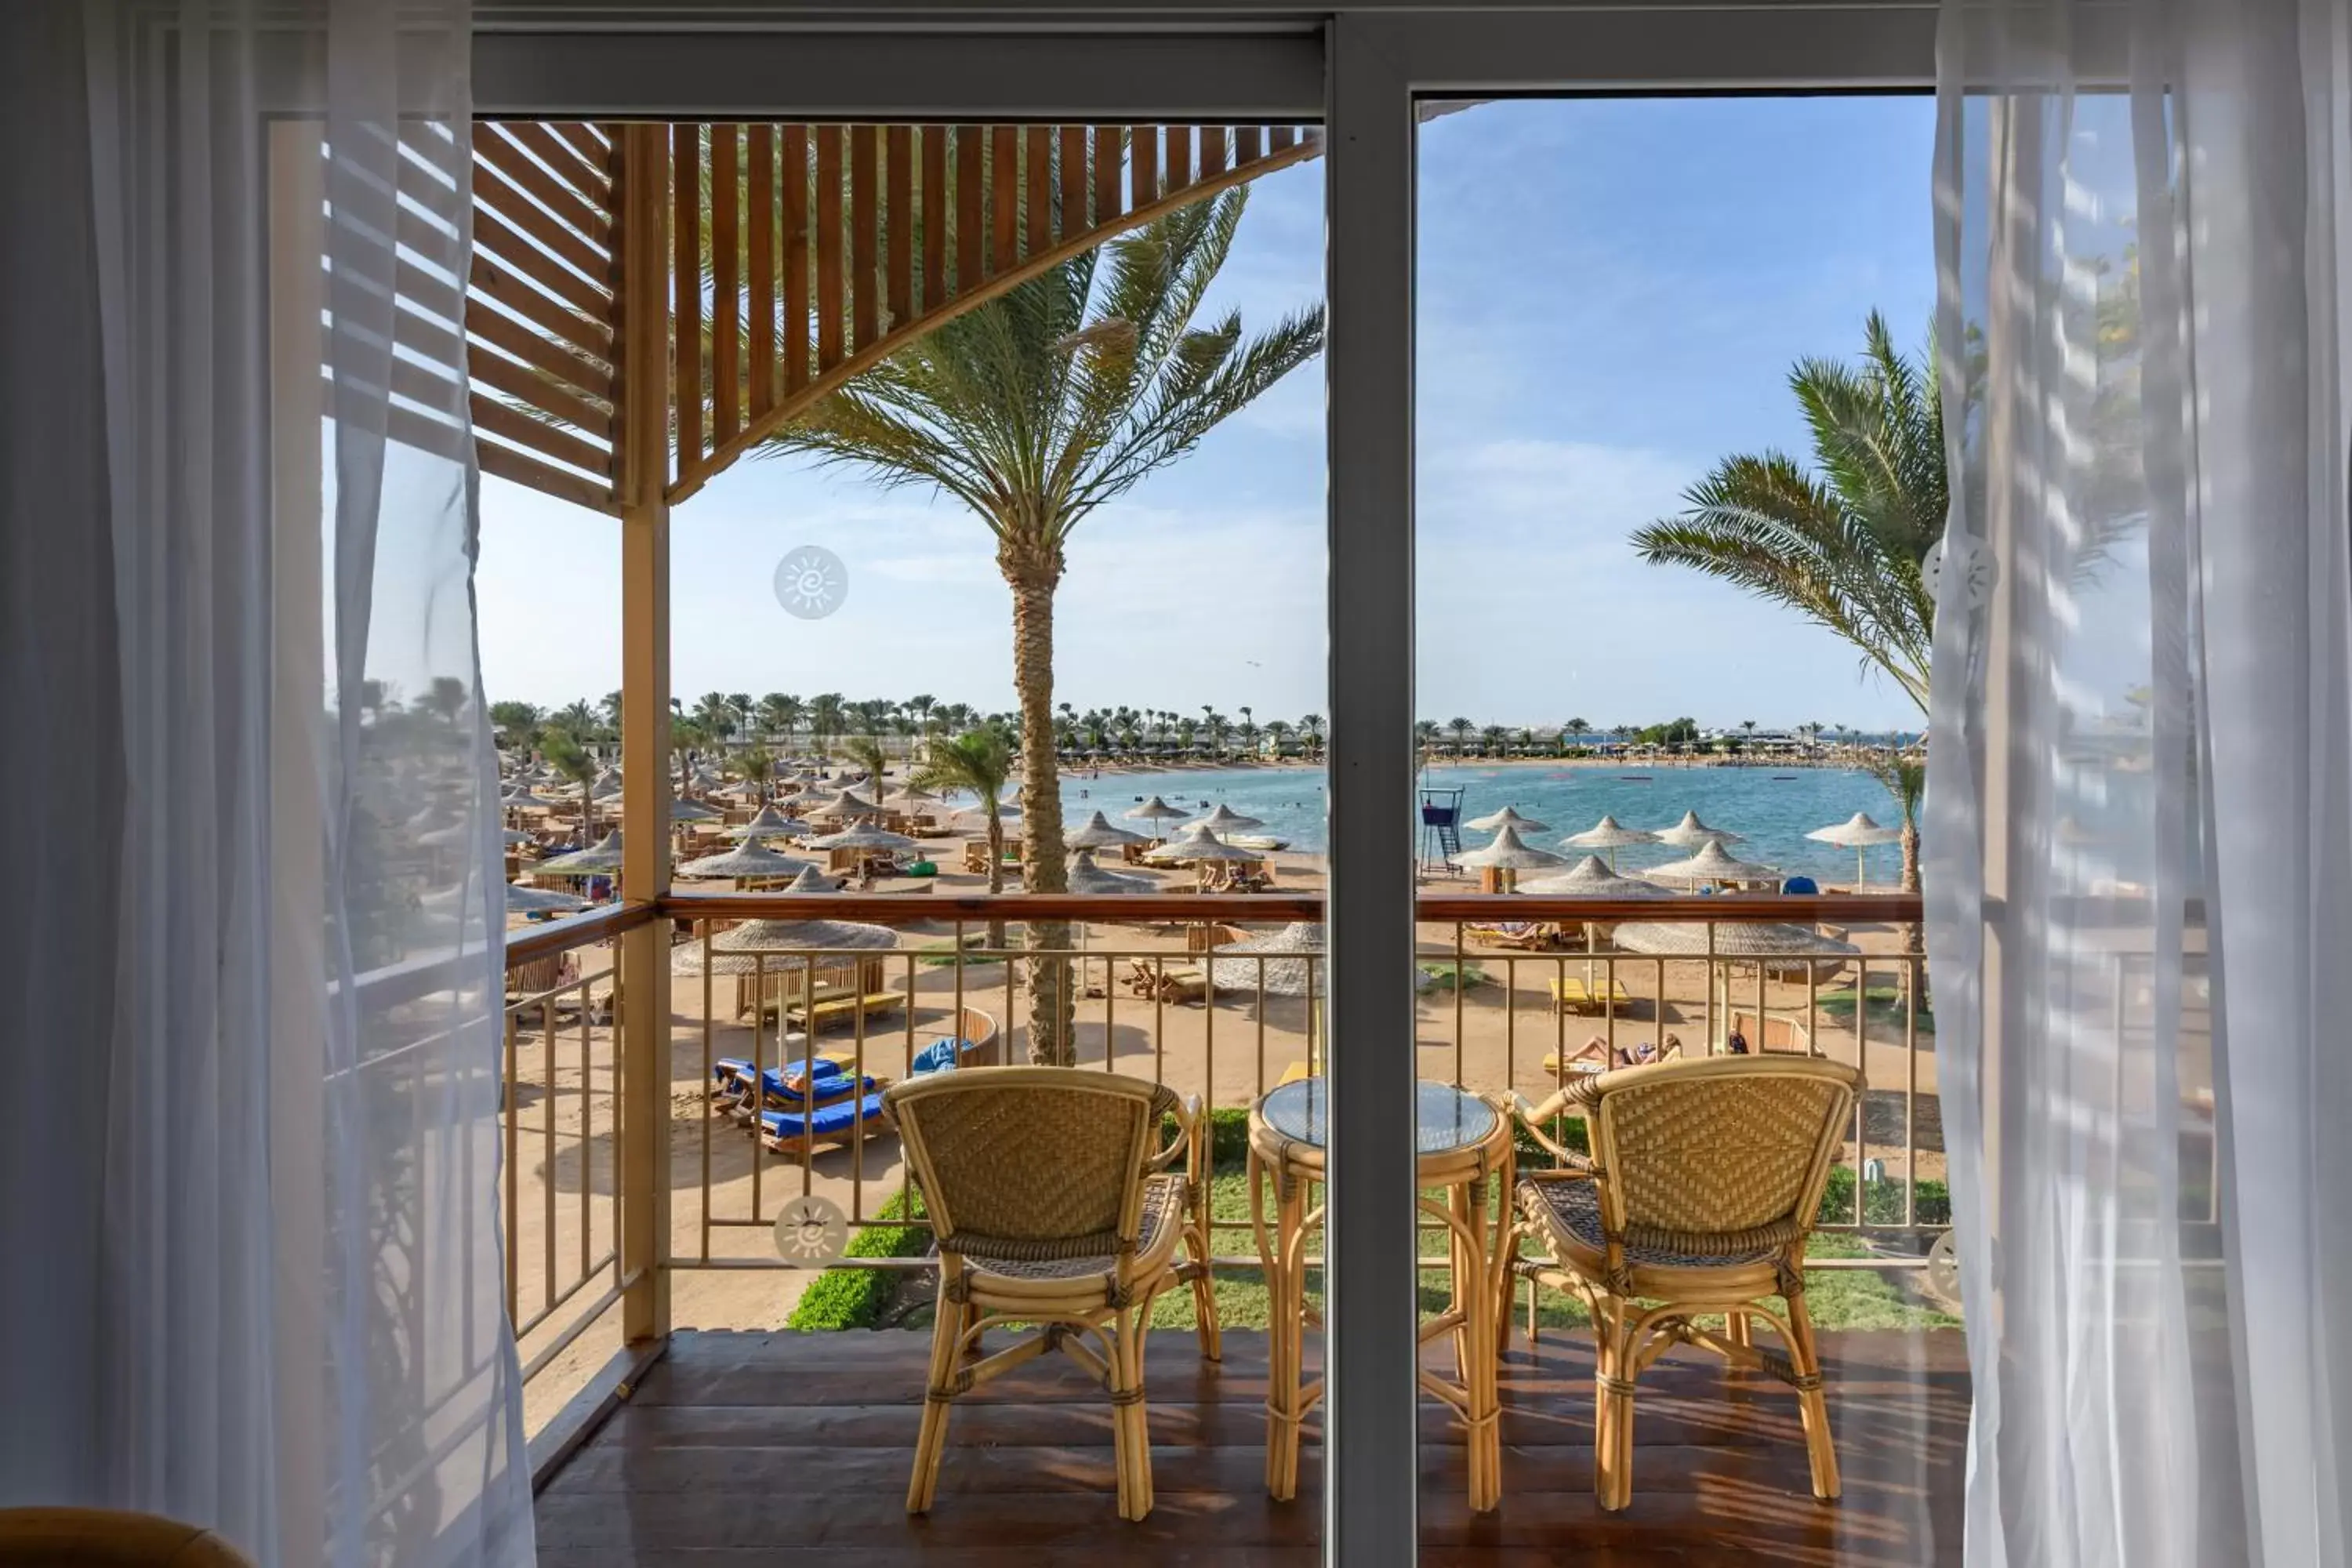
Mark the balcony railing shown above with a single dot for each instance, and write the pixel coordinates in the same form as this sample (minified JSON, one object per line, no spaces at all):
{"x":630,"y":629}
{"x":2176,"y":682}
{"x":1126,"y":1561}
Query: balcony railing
{"x":1148,"y":1002}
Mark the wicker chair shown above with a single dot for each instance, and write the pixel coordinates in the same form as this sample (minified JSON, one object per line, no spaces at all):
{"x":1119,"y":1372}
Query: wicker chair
{"x":1054,"y":1203}
{"x":103,"y":1538}
{"x":1702,"y":1185}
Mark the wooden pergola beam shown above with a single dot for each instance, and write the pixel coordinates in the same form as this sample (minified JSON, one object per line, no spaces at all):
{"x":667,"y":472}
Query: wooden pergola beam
{"x":815,"y":252}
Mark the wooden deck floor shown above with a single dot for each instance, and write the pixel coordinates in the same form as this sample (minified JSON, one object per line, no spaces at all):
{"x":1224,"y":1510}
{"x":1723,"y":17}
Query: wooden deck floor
{"x":784,"y":1447}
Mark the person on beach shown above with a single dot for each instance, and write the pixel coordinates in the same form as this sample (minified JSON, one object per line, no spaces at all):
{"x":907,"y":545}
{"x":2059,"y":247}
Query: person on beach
{"x":1735,"y":1042}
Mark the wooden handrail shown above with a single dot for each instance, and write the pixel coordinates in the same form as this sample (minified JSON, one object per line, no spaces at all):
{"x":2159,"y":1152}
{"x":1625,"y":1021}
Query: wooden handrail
{"x":1806,"y":908}
{"x":893,"y":909}
{"x":576,"y":930}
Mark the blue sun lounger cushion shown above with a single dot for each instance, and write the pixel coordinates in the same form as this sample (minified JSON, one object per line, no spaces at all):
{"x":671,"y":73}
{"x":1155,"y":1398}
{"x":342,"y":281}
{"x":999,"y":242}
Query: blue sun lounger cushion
{"x":834,"y":1120}
{"x":732,"y":1075}
{"x":1800,"y":887}
{"x":778,"y":1082}
{"x":941,"y":1055}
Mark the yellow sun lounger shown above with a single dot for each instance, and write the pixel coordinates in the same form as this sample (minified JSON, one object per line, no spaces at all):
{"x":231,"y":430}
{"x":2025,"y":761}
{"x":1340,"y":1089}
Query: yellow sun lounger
{"x":1574,"y":994}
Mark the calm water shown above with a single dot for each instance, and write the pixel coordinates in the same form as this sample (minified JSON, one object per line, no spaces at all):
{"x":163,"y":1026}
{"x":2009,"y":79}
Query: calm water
{"x":1775,"y":813}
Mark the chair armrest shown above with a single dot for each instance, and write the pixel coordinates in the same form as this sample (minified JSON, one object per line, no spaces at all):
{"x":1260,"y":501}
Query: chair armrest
{"x":1533,"y":1117}
{"x":1188,"y":1128}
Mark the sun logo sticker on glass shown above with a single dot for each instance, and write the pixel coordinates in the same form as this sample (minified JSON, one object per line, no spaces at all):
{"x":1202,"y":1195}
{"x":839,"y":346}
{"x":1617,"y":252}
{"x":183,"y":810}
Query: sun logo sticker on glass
{"x":810,"y":583}
{"x":811,"y":1230}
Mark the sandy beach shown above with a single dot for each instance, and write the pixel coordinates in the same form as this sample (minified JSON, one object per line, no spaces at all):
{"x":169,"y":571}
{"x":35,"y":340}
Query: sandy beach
{"x":1495,"y":1035}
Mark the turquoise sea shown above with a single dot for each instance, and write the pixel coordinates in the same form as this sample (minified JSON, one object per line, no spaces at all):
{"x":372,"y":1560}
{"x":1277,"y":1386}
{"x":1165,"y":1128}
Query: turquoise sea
{"x":1774,"y":808}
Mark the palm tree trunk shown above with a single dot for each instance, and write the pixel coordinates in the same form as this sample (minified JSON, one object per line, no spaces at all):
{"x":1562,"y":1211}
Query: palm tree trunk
{"x":1052,"y":1006}
{"x":995,"y":872}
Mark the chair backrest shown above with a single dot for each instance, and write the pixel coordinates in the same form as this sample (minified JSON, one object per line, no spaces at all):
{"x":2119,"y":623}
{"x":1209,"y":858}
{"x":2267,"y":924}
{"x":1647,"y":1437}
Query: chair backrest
{"x":103,"y":1538}
{"x":1028,"y":1164}
{"x":1719,"y":1152}
{"x":1800,"y":887}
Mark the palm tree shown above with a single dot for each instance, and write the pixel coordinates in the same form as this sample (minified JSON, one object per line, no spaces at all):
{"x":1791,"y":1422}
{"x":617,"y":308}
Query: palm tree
{"x":1842,"y":548}
{"x":1034,"y":409}
{"x":518,"y":722}
{"x":777,"y":713}
{"x":866,"y":752}
{"x":979,"y":761}
{"x":1494,"y":739}
{"x":446,"y":697}
{"x":1312,"y":723}
{"x":610,"y":709}
{"x":565,"y":755}
{"x":1905,"y":778}
{"x":759,"y":765}
{"x":1460,"y":729}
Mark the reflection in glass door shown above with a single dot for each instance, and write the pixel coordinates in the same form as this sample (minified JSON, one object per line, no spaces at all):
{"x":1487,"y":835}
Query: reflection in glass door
{"x":1674,"y":417}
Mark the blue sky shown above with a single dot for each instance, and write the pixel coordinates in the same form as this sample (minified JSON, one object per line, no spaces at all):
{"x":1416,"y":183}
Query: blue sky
{"x":1611,"y":294}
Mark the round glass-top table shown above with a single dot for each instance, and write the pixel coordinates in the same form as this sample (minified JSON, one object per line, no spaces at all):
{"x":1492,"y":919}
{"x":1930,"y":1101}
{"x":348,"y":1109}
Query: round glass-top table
{"x":1444,"y":1118}
{"x":1461,"y":1143}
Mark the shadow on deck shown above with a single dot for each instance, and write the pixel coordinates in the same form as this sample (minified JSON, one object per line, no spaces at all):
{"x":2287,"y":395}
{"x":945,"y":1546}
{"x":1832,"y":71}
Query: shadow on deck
{"x":785,"y":1448}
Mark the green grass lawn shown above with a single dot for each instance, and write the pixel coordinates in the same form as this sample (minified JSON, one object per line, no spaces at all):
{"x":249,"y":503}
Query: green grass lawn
{"x":1886,"y":1007}
{"x":1840,"y":1298}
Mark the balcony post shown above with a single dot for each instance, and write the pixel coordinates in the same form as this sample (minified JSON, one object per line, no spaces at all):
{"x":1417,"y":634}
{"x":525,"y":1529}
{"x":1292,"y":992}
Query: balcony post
{"x":641,"y":459}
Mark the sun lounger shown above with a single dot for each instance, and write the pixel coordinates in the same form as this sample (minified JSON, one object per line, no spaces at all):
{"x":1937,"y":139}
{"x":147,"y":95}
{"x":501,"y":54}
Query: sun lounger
{"x":844,"y":1122}
{"x":839,"y":1007}
{"x":1574,"y":994}
{"x":730,"y":1081}
{"x":1511,"y":933}
{"x":1166,"y":982}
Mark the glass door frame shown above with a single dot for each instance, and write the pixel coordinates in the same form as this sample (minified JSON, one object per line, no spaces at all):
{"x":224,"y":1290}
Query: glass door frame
{"x":1361,"y":68}
{"x":1384,"y":63}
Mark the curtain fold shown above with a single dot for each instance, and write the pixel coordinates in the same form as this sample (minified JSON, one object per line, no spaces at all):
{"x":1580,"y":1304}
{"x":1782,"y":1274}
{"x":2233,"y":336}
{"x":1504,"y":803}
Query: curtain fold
{"x":2138,"y":844}
{"x":276,"y":1149}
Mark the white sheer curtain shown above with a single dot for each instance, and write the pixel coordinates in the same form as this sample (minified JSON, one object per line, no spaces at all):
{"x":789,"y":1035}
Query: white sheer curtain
{"x":2139,"y":827}
{"x":260,"y":1199}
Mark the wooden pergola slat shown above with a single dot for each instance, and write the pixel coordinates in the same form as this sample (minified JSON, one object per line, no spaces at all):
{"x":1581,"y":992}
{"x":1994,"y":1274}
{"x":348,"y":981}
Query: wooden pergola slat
{"x":795,"y":258}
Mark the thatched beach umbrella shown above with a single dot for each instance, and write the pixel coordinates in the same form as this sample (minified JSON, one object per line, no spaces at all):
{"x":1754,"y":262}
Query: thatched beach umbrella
{"x":1197,"y":844}
{"x":607,"y":785}
{"x":1297,"y":975}
{"x":542,"y":901}
{"x":864,"y":835}
{"x":1856,"y":833}
{"x":523,"y":799}
{"x":601,"y":859}
{"x":1739,"y":941}
{"x":1200,"y":848}
{"x":846,"y":806}
{"x":1100,"y":834}
{"x":1690,"y":833}
{"x":1156,"y":811}
{"x":1508,"y":856}
{"x":806,"y":799}
{"x":1591,"y":878}
{"x":1770,"y":945}
{"x":1496,"y":821}
{"x":1610,"y":835}
{"x":770,"y":823}
{"x":745,"y":861}
{"x":779,"y":947}
{"x":1225,"y":819}
{"x":1085,"y":877}
{"x":693,"y":811}
{"x":1711,"y":864}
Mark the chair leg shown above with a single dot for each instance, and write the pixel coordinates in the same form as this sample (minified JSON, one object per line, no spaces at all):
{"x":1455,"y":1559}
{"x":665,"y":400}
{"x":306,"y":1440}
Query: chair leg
{"x":1207,"y":1327}
{"x":1740,"y":1329}
{"x":1130,"y":1432}
{"x":971,"y":1320}
{"x":1613,"y":1418}
{"x":930,"y":1442}
{"x":1812,"y":1403}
